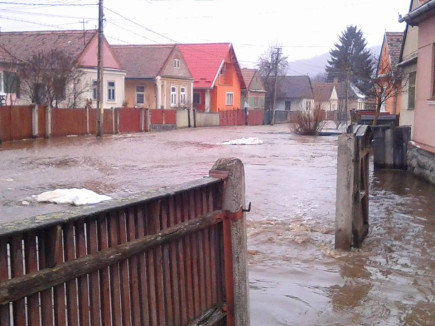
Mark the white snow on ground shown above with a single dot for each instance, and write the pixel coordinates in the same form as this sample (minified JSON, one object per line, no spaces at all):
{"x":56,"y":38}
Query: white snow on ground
{"x":244,"y":141}
{"x":72,"y":196}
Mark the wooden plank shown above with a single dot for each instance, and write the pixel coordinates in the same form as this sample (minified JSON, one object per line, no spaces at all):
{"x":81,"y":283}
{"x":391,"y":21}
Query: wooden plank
{"x":31,"y":263}
{"x":4,"y":275}
{"x":105,"y":298}
{"x":181,"y":244}
{"x":124,"y":269}
{"x":189,"y":261}
{"x":174,"y":265}
{"x":82,"y":282}
{"x":71,"y":285}
{"x":17,"y":270}
{"x":134,"y":269}
{"x":166,"y":266}
{"x":143,"y":282}
{"x":152,"y":286}
{"x":28,"y":284}
{"x":114,"y":271}
{"x":195,"y":256}
{"x":161,"y":306}
{"x":94,"y":282}
{"x":44,"y":262}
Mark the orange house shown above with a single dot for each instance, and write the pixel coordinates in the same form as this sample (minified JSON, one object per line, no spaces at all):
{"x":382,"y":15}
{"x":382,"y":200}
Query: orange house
{"x":387,"y":67}
{"x":217,"y":76}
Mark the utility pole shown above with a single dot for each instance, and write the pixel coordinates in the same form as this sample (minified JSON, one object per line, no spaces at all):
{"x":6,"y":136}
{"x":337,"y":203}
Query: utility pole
{"x":276,"y":62}
{"x":100,"y":68}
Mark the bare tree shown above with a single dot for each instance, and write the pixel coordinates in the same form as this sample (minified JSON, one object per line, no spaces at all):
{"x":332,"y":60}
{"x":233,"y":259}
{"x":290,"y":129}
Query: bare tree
{"x":52,"y":78}
{"x":387,"y":84}
{"x":309,"y":122}
{"x":271,"y":66}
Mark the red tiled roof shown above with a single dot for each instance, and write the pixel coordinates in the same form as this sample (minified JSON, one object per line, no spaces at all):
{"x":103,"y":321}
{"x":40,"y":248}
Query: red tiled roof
{"x":204,"y":61}
{"x":23,"y":45}
{"x":142,"y":61}
{"x":394,"y":43}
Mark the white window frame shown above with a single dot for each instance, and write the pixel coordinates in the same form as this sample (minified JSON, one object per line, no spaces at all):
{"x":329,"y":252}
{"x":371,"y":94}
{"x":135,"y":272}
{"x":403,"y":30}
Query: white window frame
{"x":229,"y":98}
{"x":177,"y":63}
{"x":111,"y":91}
{"x":140,"y":93}
{"x":1,"y":82}
{"x":174,"y":96}
{"x":183,"y":95}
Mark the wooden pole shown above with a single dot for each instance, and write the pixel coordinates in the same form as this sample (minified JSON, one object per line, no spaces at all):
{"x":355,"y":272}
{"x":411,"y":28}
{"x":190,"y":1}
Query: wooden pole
{"x":100,"y":69}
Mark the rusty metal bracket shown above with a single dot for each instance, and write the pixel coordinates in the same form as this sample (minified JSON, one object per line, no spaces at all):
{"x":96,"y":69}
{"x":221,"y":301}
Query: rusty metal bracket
{"x":233,"y":216}
{"x":219,"y":174}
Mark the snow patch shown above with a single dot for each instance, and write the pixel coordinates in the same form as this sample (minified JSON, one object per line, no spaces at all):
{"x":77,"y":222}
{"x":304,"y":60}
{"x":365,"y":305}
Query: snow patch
{"x":74,"y":196}
{"x":244,"y":141}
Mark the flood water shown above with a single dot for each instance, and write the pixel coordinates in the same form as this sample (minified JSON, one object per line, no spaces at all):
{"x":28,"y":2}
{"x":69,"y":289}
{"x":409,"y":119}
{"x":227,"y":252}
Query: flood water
{"x":296,"y":276}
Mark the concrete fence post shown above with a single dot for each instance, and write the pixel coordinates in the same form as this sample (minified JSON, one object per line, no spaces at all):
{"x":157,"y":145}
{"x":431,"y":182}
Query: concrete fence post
{"x":35,"y":123}
{"x":233,"y":202}
{"x":148,"y":119}
{"x":117,"y":120}
{"x":48,"y":121}
{"x":141,"y":119}
{"x":344,"y":193}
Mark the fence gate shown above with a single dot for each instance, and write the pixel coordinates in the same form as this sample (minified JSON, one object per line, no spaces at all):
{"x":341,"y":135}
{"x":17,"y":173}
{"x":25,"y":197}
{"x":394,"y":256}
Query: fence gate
{"x":170,"y":258}
{"x":352,"y":201}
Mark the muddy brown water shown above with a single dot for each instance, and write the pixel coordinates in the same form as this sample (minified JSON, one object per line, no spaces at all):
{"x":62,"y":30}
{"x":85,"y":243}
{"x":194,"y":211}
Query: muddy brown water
{"x":296,"y":276}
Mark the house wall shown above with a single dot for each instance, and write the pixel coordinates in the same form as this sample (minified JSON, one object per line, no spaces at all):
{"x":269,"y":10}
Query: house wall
{"x":150,"y":93}
{"x":167,"y":83}
{"x":297,"y":104}
{"x":255,"y":100}
{"x":201,"y":105}
{"x":424,"y":116}
{"x":226,"y":83}
{"x":392,"y":104}
{"x":109,"y":75}
{"x":406,"y":114}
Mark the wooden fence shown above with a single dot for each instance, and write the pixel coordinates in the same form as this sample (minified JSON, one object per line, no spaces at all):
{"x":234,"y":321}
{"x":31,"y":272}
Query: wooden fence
{"x":170,"y":258}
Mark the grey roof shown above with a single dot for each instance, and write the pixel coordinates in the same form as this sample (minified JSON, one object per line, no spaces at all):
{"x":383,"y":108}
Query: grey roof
{"x":23,"y":45}
{"x":142,"y":61}
{"x":294,"y":87}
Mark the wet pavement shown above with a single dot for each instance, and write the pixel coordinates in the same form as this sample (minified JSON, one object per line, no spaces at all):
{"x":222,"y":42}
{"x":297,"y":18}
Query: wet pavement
{"x":296,"y":276}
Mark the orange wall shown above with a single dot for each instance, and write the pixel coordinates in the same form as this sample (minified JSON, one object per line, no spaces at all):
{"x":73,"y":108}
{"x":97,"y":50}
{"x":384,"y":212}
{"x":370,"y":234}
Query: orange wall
{"x":393,"y":104}
{"x":226,"y":83}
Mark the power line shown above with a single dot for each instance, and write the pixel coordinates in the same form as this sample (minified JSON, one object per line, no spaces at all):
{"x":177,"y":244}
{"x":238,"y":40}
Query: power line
{"x":48,"y":4}
{"x":145,"y":28}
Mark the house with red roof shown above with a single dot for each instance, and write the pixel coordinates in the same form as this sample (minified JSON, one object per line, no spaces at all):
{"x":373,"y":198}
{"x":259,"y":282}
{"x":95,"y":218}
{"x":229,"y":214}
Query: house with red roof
{"x":157,"y":76}
{"x":80,"y":48}
{"x":217,"y":76}
{"x":389,"y":70}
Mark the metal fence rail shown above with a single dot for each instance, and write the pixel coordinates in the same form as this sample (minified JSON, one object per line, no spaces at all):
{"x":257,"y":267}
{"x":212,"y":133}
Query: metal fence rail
{"x":164,"y":259}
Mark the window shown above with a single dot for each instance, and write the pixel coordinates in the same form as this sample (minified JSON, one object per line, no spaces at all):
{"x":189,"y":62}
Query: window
{"x":288,"y":105}
{"x":230,"y":98}
{"x":1,"y":82}
{"x":111,"y":91}
{"x":173,"y":96}
{"x":308,"y":105}
{"x":59,"y":89}
{"x":411,"y":90}
{"x":196,"y":98}
{"x":177,"y":63}
{"x":94,"y":90}
{"x":11,"y":83}
{"x":182,"y":95}
{"x":39,"y":93}
{"x":140,"y":94}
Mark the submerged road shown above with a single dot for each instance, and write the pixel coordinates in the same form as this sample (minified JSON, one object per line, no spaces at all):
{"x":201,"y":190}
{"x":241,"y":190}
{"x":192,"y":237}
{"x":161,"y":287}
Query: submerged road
{"x":296,"y":276}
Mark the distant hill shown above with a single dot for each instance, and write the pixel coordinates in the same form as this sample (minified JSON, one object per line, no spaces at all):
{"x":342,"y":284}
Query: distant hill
{"x":316,"y":65}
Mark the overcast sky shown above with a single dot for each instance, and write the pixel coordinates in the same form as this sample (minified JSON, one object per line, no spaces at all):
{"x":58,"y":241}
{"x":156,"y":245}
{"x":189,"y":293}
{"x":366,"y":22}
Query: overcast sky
{"x":303,"y":28}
